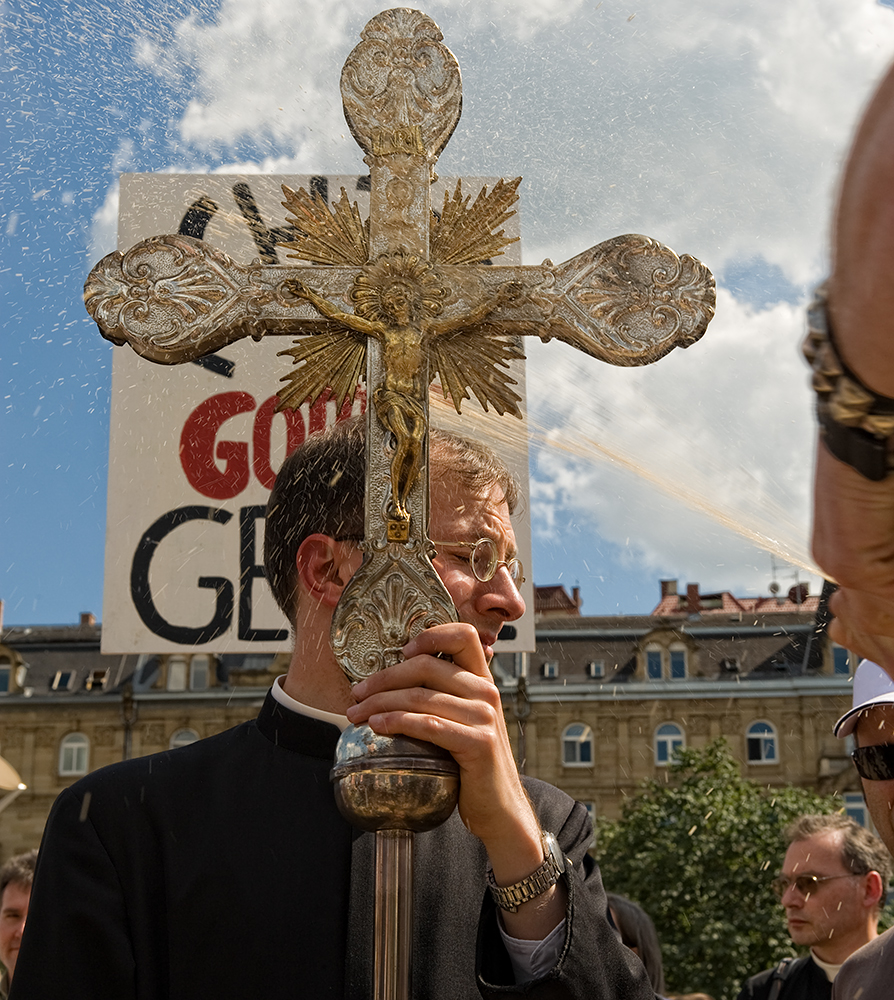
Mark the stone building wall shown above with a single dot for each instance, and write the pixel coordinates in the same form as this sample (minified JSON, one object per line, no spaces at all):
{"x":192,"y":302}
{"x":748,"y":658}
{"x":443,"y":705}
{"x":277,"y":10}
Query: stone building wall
{"x":624,"y":735}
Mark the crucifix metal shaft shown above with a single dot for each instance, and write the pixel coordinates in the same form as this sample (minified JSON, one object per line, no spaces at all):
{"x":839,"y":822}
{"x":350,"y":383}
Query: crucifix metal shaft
{"x":398,"y":299}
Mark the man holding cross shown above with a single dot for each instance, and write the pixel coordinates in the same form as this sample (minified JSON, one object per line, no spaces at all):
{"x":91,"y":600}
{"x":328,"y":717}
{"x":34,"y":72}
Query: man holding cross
{"x":224,"y":868}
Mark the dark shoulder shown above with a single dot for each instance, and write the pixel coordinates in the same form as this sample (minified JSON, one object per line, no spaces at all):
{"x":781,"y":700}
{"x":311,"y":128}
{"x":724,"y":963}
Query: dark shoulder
{"x":758,"y":987}
{"x":183,"y":762}
{"x":869,"y":971}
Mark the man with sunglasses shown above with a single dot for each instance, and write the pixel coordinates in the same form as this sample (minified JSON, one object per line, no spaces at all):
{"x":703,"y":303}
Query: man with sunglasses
{"x":869,"y":974}
{"x":832,"y":886}
{"x":225,"y":870}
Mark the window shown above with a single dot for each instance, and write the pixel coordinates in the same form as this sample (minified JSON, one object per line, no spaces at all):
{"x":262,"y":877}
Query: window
{"x":661,"y":665}
{"x":761,"y":743}
{"x":177,"y":673}
{"x":841,"y":660}
{"x":668,"y":739}
{"x":855,"y":808}
{"x":182,"y":738}
{"x":62,"y":681}
{"x":198,"y":672}
{"x":74,"y":754}
{"x":577,"y":745}
{"x":678,"y":662}
{"x":596,"y":669}
{"x":550,"y":669}
{"x":5,"y":676}
{"x":97,"y":679}
{"x":148,"y":671}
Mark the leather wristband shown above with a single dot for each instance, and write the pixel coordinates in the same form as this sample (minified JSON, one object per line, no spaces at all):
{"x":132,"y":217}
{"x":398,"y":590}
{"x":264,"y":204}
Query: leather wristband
{"x":511,"y":897}
{"x":856,"y":424}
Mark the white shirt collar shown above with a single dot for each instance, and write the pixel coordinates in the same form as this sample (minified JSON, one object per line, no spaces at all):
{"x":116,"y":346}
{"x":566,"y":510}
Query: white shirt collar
{"x":831,"y":971}
{"x":287,"y":701}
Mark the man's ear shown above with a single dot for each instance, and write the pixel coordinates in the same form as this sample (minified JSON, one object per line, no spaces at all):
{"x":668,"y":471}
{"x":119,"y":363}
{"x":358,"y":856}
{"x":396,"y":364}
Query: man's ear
{"x":324,"y":567}
{"x":874,"y":889}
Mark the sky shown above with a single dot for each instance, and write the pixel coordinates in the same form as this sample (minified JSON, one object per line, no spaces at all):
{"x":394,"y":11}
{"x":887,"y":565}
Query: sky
{"x":716,"y":128}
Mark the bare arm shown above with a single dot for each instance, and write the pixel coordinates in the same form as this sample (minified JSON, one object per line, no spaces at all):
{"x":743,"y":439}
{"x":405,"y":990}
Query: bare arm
{"x":331,"y":311}
{"x":505,"y":294}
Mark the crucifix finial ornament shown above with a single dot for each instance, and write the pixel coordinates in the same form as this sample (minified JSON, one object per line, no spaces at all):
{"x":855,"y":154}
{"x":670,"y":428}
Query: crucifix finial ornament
{"x":408,"y":295}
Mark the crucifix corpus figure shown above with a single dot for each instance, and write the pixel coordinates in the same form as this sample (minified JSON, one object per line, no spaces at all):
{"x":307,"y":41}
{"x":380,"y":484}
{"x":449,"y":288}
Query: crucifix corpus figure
{"x":402,"y":317}
{"x":146,"y":853}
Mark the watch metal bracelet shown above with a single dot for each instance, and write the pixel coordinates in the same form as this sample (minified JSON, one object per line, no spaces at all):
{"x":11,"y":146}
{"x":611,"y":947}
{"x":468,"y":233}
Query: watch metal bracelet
{"x":511,"y":897}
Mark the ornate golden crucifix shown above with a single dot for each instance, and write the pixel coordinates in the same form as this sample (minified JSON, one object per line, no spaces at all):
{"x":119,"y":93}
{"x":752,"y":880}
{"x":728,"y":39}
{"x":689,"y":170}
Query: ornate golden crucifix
{"x":403,"y":297}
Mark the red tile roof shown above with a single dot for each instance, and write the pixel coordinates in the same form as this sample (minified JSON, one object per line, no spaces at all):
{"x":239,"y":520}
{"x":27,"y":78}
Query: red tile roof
{"x":725,"y":603}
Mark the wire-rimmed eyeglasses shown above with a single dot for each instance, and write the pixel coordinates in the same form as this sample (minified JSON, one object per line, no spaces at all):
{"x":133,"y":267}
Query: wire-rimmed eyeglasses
{"x":485,"y":560}
{"x":805,"y":884}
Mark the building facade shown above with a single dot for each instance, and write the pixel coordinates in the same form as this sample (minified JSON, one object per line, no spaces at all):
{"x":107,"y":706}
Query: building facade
{"x":66,"y":710}
{"x":601,"y":704}
{"x":604,"y":701}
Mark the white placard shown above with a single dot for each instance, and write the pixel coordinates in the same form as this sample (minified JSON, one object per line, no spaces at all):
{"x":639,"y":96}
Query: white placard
{"x":194,"y":448}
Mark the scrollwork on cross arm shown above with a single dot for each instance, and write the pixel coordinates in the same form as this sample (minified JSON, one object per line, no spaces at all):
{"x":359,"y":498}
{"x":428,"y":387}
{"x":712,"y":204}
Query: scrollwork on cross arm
{"x":174,"y":299}
{"x":628,"y":301}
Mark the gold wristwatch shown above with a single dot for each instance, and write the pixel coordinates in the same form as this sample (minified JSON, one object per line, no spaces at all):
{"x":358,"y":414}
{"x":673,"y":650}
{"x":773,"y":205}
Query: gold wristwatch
{"x":511,"y":897}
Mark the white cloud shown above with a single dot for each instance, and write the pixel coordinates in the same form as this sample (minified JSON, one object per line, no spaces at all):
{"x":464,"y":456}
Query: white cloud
{"x":104,"y":226}
{"x":692,"y":461}
{"x":718,"y":130}
{"x":264,"y":70}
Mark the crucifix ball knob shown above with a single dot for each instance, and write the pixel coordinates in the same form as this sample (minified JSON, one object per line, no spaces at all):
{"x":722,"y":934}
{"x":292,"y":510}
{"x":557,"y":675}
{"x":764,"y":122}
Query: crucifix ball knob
{"x":393,"y":782}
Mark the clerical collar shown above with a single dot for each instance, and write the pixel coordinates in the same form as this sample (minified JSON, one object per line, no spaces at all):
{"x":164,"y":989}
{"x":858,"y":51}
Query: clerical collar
{"x":292,"y":730}
{"x":831,"y":971}
{"x":287,"y":701}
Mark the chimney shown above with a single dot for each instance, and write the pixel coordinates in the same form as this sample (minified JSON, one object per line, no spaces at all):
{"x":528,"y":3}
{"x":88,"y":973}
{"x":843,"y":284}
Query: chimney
{"x":575,"y":597}
{"x":87,"y":619}
{"x":668,"y":588}
{"x":693,"y":601}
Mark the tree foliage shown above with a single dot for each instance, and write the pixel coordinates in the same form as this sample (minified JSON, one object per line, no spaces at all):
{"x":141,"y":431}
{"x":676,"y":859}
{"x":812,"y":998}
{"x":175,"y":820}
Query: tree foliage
{"x":698,"y":852}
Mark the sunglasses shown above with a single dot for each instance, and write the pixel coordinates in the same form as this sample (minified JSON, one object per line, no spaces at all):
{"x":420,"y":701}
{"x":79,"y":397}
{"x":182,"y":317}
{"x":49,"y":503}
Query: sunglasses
{"x":875,"y":763}
{"x":805,"y":884}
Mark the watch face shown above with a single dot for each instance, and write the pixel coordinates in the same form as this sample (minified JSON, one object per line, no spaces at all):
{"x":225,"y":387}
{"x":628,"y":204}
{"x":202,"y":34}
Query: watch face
{"x":554,"y":851}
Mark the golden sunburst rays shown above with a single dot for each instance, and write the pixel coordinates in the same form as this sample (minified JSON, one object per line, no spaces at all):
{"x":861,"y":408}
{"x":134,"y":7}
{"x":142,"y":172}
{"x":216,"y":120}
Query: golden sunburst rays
{"x":404,"y":274}
{"x":402,"y":283}
{"x":466,"y":235}
{"x":335,"y":236}
{"x":335,"y":361}
{"x":476,"y":360}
